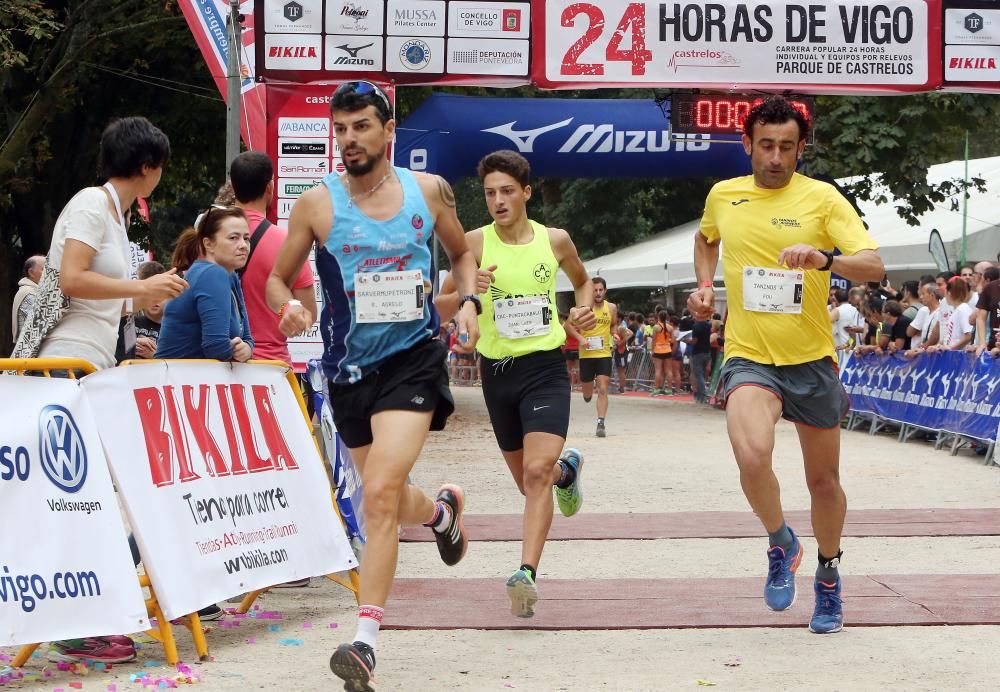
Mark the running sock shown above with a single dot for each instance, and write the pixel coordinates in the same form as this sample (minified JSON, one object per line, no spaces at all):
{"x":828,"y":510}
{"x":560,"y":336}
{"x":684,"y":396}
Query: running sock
{"x":369,"y":621}
{"x":530,"y":570}
{"x":782,"y":537}
{"x":600,"y":420}
{"x":567,"y":477}
{"x":441,"y":519}
{"x":828,"y":570}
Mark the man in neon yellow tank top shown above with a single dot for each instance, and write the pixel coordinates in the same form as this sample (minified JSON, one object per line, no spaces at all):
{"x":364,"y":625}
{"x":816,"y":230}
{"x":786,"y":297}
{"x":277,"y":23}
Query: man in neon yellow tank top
{"x":525,"y":382}
{"x":778,"y":230}
{"x":595,"y":351}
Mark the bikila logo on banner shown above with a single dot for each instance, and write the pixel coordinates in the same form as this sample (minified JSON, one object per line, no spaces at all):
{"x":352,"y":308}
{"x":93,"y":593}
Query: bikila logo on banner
{"x":951,"y":391}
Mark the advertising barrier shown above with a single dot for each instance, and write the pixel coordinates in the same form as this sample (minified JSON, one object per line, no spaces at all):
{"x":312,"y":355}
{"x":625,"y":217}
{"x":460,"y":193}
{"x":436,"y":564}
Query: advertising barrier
{"x":65,"y":566}
{"x":221,"y":478}
{"x":952,"y":392}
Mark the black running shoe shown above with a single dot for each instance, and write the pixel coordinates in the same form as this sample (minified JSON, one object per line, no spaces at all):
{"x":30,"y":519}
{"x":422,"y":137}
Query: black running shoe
{"x":355,"y":665}
{"x":212,"y":612}
{"x":452,"y":542}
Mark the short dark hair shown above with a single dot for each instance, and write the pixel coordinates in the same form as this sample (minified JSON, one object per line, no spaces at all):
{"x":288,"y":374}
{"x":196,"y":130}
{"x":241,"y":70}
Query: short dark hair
{"x":991,"y":274}
{"x":600,"y":280}
{"x":148,"y":269}
{"x":927,"y":279}
{"x":910,"y":287}
{"x":506,"y":161}
{"x":893,"y":308}
{"x":776,"y":110}
{"x":358,"y":95}
{"x":127,"y":144}
{"x":249,"y":173}
{"x":840,"y":294}
{"x":945,"y":275}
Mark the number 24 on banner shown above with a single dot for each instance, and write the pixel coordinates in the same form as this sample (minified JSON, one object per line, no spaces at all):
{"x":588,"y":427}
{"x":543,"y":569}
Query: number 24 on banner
{"x":634,"y":19}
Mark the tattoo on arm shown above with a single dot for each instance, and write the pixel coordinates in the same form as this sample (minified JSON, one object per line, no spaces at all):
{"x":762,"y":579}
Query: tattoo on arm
{"x":447,"y":194}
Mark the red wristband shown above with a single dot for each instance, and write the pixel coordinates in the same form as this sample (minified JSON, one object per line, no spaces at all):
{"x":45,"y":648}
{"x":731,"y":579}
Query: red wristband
{"x":706,"y":284}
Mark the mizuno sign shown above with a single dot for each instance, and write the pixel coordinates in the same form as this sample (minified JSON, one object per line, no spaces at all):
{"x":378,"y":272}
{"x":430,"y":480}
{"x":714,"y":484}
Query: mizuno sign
{"x":600,"y":138}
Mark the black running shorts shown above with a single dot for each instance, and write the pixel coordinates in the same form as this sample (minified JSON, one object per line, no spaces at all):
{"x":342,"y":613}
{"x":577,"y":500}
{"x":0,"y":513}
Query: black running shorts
{"x":620,"y":358}
{"x":526,"y":394}
{"x":810,"y":393}
{"x":412,"y":380}
{"x":592,"y":367}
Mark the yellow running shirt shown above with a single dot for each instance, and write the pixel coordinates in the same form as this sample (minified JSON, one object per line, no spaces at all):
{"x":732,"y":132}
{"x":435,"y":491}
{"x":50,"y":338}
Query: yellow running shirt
{"x":755,"y":224}
{"x":596,"y":342}
{"x":519,"y":315}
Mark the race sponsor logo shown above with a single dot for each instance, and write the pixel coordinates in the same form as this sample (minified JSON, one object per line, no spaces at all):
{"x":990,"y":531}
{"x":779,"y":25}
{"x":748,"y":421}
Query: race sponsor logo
{"x":355,"y":17}
{"x":972,"y":27}
{"x":293,"y":51}
{"x":353,"y":53}
{"x":487,"y":56}
{"x":702,"y":58}
{"x":60,"y":444}
{"x":972,"y":63}
{"x":597,"y":138}
{"x":303,"y":147}
{"x":415,"y":18}
{"x":293,"y":187}
{"x":488,"y":19}
{"x":303,"y":127}
{"x":303,"y":167}
{"x":293,"y":16}
{"x":285,"y":208}
{"x":337,"y":165}
{"x":418,"y":222}
{"x":414,"y":54}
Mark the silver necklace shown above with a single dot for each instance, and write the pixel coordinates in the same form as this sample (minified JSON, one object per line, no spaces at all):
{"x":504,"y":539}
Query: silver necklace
{"x":364,"y":195}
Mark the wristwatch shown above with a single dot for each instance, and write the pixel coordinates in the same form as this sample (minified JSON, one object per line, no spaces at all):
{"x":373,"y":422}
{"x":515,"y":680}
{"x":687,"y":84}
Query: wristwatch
{"x":291,"y":303}
{"x":475,"y":301}
{"x":829,"y":260}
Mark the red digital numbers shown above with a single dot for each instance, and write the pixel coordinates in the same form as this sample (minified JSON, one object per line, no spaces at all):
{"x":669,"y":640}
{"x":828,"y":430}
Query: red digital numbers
{"x":715,"y":114}
{"x":633,"y":20}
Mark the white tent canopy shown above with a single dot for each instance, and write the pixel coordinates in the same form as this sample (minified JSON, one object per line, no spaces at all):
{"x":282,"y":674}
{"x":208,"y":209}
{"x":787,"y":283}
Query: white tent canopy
{"x":665,"y":259}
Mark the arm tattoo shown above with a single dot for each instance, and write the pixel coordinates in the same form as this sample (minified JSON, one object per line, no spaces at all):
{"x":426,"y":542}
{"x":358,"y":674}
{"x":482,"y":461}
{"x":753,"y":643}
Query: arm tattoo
{"x":447,"y":194}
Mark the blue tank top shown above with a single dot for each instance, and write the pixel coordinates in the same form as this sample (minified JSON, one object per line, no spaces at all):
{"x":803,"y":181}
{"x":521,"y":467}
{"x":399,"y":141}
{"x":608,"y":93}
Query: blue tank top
{"x":360,"y":244}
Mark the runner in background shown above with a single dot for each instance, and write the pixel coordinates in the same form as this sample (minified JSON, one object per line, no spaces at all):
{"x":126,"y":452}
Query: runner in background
{"x":595,"y":352}
{"x":663,"y":351}
{"x":620,"y":355}
{"x":571,"y":351}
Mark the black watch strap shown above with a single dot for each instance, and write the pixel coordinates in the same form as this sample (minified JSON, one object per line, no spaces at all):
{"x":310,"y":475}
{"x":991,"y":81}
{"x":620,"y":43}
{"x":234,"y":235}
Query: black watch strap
{"x":475,"y":301}
{"x":829,"y":261}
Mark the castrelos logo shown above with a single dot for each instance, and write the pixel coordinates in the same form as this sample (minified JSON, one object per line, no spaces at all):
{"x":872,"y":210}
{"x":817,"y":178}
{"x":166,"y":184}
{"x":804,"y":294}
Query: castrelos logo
{"x":173,"y":417}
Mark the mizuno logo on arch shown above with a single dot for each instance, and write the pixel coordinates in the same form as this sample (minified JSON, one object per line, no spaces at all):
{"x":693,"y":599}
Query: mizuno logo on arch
{"x":600,"y":138}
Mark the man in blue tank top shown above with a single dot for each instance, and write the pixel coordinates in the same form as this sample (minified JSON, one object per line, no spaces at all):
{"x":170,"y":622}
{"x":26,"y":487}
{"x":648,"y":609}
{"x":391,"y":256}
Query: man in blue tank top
{"x":388,"y":377}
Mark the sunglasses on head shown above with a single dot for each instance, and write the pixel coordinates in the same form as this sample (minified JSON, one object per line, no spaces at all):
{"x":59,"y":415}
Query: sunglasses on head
{"x":363,"y":88}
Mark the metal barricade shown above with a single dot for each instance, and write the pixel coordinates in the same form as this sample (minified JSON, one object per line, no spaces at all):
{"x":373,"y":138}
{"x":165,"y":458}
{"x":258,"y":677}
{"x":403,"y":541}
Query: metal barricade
{"x":639,"y":371}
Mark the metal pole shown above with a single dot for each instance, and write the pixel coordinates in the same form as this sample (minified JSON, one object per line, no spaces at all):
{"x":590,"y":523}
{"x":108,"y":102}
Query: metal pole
{"x":233,"y":80}
{"x":965,"y":202}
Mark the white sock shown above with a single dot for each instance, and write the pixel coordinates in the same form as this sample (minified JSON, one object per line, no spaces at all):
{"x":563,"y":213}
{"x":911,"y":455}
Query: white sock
{"x":369,"y":621}
{"x":441,"y":519}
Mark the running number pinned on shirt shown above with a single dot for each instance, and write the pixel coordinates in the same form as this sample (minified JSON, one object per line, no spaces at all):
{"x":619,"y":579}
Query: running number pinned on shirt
{"x":772,"y":290}
{"x":519,"y":318}
{"x":389,"y":296}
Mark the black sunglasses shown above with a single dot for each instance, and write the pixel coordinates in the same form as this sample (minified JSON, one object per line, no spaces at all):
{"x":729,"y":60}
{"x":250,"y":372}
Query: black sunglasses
{"x":363,"y":88}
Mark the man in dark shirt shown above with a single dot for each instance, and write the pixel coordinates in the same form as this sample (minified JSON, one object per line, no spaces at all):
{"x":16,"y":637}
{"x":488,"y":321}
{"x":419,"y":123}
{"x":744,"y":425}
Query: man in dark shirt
{"x":701,"y":355}
{"x":897,"y":322}
{"x":988,"y":312}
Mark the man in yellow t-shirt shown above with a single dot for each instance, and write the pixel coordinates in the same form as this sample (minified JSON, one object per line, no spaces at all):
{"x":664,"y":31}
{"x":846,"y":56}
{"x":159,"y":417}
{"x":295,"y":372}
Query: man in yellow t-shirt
{"x":778,"y":230}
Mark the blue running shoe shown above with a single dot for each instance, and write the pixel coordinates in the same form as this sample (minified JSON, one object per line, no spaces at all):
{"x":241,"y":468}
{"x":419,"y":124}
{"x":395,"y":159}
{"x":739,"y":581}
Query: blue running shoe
{"x":779,"y":590}
{"x":828,"y":617}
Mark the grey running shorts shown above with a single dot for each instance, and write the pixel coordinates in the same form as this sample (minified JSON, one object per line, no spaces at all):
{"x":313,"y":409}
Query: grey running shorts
{"x":810,"y":393}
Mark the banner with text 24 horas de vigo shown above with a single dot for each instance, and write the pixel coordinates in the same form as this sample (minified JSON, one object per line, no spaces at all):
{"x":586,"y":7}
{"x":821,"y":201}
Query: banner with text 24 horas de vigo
{"x":220,"y":476}
{"x":829,"y":46}
{"x":65,"y":568}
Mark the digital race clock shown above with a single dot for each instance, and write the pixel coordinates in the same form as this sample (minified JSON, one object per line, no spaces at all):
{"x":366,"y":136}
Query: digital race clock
{"x":720,"y":114}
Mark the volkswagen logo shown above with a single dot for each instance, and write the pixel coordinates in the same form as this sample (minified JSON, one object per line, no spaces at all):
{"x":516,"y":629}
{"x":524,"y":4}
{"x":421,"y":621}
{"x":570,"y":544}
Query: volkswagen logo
{"x":61,"y":448}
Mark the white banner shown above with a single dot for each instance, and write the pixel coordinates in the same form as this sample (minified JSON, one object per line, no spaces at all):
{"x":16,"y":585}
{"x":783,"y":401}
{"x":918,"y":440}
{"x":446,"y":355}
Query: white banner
{"x":65,"y":566}
{"x":220,"y":476}
{"x":731,"y":42}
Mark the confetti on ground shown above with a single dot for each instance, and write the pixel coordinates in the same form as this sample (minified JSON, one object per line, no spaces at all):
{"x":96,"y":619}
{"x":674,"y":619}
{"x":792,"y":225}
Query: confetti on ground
{"x":705,"y":683}
{"x":76,"y":685}
{"x":112,"y":688}
{"x":153,"y":664}
{"x":251,"y":640}
{"x":291,"y":642}
{"x":307,"y":625}
{"x":333,"y":625}
{"x":273,"y":628}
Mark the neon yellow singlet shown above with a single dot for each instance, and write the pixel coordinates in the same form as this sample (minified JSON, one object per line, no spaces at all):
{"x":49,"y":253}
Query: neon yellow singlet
{"x":522,"y":298}
{"x":599,"y":336}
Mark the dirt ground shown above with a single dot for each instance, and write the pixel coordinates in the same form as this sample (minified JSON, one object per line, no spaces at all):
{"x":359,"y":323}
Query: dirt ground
{"x":659,"y":456}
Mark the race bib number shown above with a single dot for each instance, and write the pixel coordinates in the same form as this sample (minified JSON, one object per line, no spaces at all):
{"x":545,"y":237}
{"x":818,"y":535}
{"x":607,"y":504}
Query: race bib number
{"x":519,"y":318}
{"x":389,"y":296}
{"x":772,"y":290}
{"x":594,"y":343}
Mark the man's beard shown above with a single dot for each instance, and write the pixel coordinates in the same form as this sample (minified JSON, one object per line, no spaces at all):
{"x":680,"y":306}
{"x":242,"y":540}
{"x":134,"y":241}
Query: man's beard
{"x":364,"y":167}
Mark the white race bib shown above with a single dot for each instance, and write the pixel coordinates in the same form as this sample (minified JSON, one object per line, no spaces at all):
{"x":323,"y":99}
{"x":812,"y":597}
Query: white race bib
{"x":519,"y":318}
{"x":594,"y":343}
{"x":772,"y":290}
{"x":389,"y":296}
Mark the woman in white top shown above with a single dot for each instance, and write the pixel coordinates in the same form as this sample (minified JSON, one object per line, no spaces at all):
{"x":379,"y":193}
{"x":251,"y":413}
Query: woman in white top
{"x":955,"y":325}
{"x":90,"y":249}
